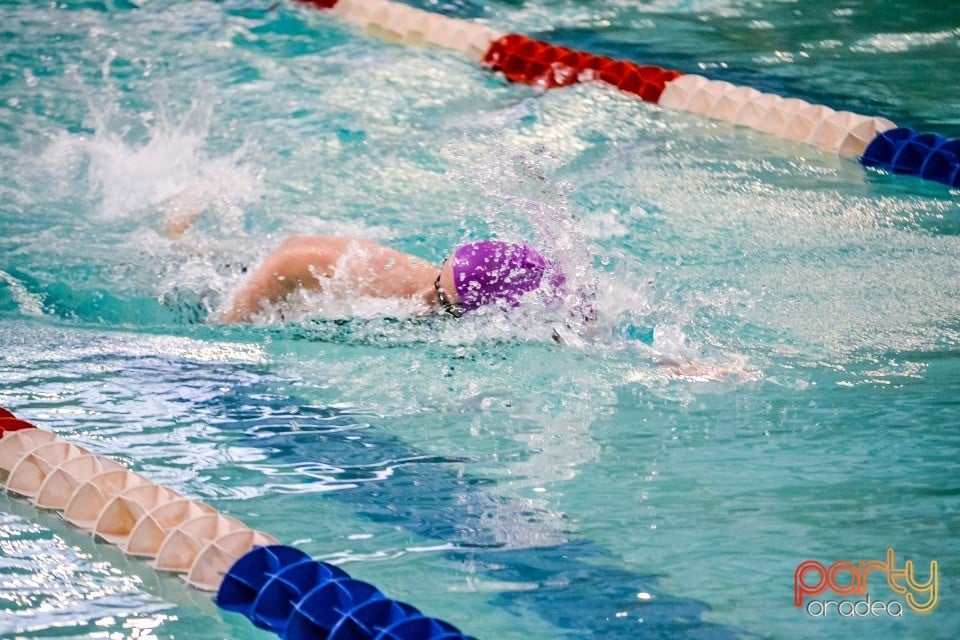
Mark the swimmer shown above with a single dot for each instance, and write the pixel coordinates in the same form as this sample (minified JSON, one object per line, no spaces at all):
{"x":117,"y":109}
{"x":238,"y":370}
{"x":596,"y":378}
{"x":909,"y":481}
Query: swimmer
{"x":476,"y":274}
{"x":487,"y":272}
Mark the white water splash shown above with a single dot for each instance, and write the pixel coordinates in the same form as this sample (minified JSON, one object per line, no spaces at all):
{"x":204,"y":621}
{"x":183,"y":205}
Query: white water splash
{"x":612,"y":310}
{"x":136,"y":163}
{"x":161,"y":190}
{"x":28,"y":304}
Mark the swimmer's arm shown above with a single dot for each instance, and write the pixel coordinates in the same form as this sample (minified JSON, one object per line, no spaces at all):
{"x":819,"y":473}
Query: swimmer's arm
{"x":294,"y":264}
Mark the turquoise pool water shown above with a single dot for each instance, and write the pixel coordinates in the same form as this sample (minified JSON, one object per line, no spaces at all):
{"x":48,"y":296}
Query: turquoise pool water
{"x":513,"y":486}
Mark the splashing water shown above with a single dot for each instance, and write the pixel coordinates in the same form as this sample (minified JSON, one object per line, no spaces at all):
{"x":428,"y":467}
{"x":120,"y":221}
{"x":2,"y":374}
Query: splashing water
{"x":612,"y":311}
{"x":171,"y":207}
{"x":134,"y":165}
{"x":184,"y":205}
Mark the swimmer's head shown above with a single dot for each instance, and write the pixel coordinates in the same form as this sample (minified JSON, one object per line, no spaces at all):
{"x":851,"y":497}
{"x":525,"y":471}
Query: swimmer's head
{"x":491,"y":271}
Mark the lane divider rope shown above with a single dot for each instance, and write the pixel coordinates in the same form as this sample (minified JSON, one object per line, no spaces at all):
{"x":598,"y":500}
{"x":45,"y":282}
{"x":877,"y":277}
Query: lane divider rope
{"x":279,"y":588}
{"x":875,"y":141}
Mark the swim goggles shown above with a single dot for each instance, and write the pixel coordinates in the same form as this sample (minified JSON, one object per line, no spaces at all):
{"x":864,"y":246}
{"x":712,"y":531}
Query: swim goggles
{"x":454,"y":309}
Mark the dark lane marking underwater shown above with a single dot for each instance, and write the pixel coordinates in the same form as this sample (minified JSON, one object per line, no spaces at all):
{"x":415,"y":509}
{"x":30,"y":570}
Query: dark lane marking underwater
{"x":579,"y":587}
{"x":573,"y":584}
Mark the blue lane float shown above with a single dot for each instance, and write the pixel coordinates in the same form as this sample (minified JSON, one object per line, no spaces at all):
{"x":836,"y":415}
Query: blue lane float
{"x":248,"y":575}
{"x":908,"y":152}
{"x":281,"y":589}
{"x":277,"y":599}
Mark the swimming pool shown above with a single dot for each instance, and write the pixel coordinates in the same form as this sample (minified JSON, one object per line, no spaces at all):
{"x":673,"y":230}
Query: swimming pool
{"x":518,"y":488}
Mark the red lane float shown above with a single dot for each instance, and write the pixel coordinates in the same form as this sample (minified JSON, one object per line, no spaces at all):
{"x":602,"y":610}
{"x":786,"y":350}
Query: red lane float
{"x":9,"y":423}
{"x":319,"y":4}
{"x":534,"y":62}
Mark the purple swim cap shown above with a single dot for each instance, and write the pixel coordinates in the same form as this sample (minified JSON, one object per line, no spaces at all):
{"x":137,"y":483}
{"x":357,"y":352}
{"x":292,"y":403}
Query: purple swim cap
{"x":491,"y":271}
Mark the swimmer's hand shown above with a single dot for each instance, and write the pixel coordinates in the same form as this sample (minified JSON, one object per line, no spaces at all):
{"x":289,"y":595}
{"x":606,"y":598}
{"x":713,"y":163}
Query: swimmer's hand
{"x":181,"y":211}
{"x":567,"y":337}
{"x":725,"y":368}
{"x":711,"y":372}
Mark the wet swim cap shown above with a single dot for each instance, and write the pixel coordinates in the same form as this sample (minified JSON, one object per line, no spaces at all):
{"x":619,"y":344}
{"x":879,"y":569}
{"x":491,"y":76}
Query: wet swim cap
{"x":490,"y":271}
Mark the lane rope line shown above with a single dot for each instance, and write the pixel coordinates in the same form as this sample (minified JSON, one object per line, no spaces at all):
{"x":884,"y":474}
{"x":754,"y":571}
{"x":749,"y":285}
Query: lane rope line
{"x":279,"y":588}
{"x":874,"y":141}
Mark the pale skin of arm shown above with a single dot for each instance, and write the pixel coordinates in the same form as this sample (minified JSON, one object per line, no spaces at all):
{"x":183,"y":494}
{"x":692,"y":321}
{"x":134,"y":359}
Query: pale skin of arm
{"x":365,"y":267}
